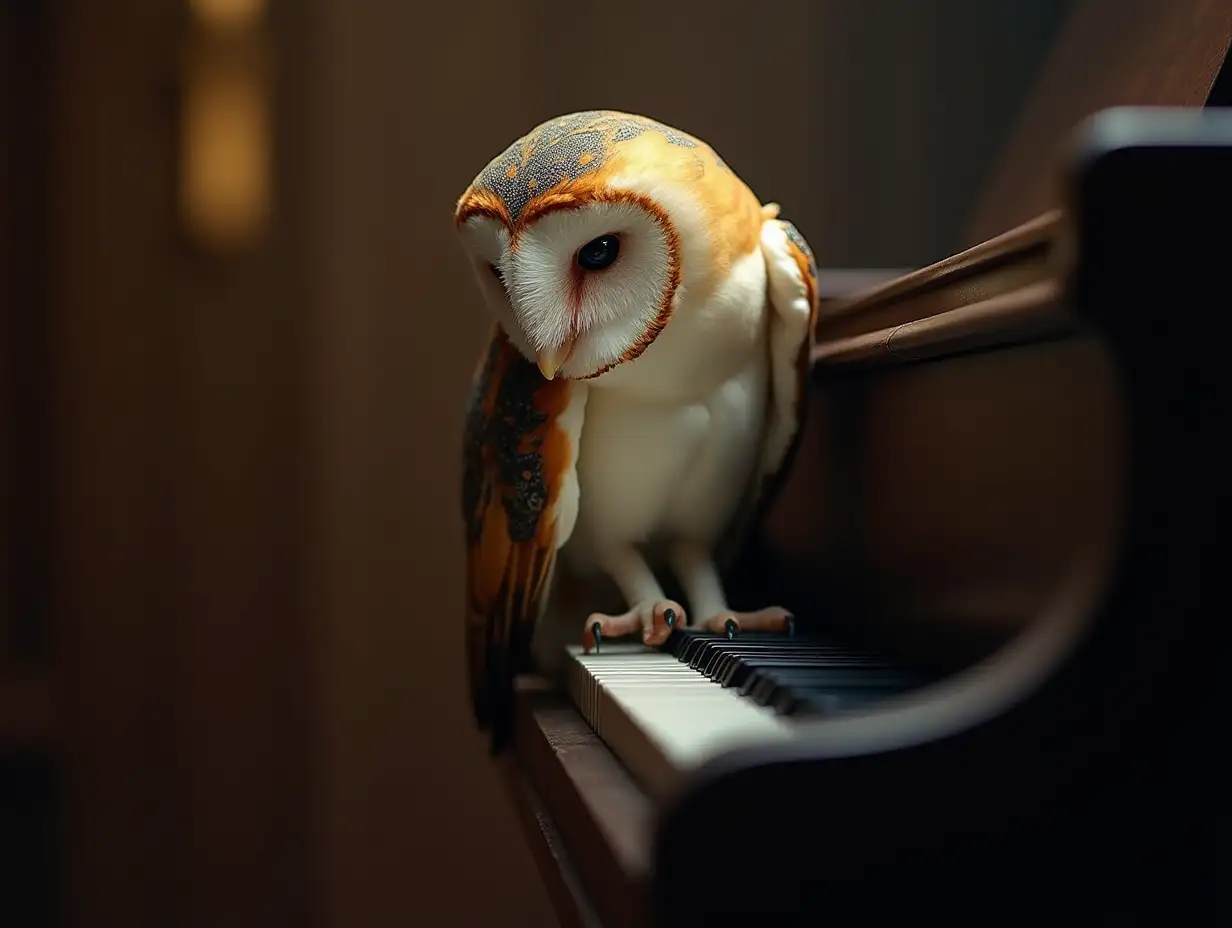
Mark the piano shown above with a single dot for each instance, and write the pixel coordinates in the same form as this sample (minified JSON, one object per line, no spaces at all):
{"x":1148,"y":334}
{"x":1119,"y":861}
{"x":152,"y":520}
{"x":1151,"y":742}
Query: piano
{"x":998,"y":537}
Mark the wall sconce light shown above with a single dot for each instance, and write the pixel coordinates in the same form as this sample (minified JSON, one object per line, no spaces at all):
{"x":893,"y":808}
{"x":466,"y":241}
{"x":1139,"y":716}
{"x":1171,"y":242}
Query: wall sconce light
{"x":225,"y":129}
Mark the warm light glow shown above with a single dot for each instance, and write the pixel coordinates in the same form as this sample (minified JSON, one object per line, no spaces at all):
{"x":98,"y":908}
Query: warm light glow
{"x":227,"y":14}
{"x":224,"y":174}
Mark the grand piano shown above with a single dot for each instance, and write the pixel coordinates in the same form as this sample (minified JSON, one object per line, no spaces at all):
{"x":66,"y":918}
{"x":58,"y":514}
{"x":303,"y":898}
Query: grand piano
{"x":1001,"y":704}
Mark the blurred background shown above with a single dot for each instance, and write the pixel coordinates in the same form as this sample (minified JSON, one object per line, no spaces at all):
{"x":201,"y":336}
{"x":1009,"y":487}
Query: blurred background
{"x":236,"y":333}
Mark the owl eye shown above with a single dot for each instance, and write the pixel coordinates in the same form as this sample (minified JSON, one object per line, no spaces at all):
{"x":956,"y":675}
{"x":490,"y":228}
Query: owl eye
{"x":599,"y":253}
{"x":496,"y":272}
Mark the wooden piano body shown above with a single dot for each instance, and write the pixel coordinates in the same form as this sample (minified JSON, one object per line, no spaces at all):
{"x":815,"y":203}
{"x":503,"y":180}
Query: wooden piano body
{"x":1011,"y":466}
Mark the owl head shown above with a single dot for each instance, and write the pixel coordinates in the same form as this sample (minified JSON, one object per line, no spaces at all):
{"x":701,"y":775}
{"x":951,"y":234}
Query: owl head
{"x":589,"y":233}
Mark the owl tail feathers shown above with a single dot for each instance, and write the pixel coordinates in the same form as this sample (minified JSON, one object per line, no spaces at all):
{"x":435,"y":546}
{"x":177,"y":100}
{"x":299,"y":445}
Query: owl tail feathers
{"x":490,"y":680}
{"x":770,"y":211}
{"x":494,"y":709}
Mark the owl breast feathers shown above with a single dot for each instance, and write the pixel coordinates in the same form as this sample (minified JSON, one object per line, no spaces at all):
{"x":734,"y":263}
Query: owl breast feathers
{"x":642,"y":386}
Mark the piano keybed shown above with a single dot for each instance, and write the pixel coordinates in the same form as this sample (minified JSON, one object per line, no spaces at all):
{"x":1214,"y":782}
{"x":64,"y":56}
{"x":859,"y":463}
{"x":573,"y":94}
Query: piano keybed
{"x":664,"y":712}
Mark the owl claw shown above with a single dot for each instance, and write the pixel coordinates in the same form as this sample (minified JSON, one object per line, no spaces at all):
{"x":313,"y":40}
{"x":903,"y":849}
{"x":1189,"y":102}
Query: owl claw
{"x":770,"y":619}
{"x":654,"y":619}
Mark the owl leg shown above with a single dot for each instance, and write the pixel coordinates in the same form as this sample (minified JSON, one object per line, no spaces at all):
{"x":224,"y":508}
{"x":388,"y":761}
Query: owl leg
{"x":698,"y":575}
{"x":650,"y":611}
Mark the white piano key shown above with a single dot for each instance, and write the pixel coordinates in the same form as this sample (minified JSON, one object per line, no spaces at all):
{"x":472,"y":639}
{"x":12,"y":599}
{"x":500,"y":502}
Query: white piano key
{"x":659,"y":716}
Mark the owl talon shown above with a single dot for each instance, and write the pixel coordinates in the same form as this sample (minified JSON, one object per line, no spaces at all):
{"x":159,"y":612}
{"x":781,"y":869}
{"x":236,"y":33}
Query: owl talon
{"x":651,"y":618}
{"x":771,"y":619}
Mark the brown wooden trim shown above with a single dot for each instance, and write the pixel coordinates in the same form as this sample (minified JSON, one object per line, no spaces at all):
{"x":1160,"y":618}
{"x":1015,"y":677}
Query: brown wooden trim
{"x":559,"y":874}
{"x":1020,"y":257}
{"x":1028,"y":314}
{"x":601,"y":815}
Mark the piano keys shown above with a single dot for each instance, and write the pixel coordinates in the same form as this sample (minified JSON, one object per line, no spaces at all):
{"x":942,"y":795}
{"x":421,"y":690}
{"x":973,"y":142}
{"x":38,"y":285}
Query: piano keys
{"x":665,"y":712}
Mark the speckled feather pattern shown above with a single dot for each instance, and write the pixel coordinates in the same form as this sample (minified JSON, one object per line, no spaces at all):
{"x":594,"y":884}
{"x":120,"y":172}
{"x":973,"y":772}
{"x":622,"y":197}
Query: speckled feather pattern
{"x":562,"y":150}
{"x":514,"y":459}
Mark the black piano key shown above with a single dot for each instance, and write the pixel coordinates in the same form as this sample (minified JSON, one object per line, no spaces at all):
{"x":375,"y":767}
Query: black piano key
{"x":765,"y":689}
{"x":737,"y":647}
{"x":760,"y":688}
{"x":689,"y":642}
{"x":724,"y":662}
{"x":692,"y":647}
{"x":821,"y":673}
{"x":741,"y":647}
{"x":743,"y":670}
{"x":806,"y":675}
{"x":705,"y":659}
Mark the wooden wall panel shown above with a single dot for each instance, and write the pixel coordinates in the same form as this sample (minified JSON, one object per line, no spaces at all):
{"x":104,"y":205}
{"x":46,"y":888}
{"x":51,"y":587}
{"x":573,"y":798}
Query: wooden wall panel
{"x":178,"y":514}
{"x":112,"y":323}
{"x":413,"y":101}
{"x":24,"y":72}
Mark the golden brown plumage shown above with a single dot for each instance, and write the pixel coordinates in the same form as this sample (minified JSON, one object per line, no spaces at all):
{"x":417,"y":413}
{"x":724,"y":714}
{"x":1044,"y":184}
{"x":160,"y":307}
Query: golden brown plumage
{"x":799,"y":249}
{"x":515,"y":461}
{"x":802,"y":254}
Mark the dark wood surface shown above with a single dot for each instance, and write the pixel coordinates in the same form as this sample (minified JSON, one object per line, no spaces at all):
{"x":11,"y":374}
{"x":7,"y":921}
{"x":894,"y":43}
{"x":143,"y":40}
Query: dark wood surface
{"x":601,"y":815}
{"x":1030,"y":313}
{"x":1108,"y":53}
{"x":569,"y":898}
{"x":934,"y":506}
{"x":1018,"y":257}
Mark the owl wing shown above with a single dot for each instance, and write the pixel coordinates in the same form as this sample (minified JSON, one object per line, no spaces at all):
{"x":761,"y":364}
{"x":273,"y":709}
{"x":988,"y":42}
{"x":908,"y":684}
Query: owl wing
{"x":791,"y":272}
{"x":519,"y":503}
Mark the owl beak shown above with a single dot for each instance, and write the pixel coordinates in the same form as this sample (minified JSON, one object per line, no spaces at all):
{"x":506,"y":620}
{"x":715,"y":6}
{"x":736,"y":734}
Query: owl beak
{"x":552,"y":360}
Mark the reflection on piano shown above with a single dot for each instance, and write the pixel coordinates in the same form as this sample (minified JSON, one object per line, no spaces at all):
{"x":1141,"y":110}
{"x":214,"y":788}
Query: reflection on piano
{"x":1003,"y":570}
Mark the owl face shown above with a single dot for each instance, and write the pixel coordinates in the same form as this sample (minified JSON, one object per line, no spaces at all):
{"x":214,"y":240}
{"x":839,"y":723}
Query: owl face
{"x":586,"y":235}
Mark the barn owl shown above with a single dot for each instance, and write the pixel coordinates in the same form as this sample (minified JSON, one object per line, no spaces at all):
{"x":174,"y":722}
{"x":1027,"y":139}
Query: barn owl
{"x":643,"y":383}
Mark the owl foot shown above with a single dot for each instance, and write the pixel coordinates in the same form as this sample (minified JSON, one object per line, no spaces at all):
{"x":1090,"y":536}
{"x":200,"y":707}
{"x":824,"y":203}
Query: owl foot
{"x":654,"y":619}
{"x":771,"y":619}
